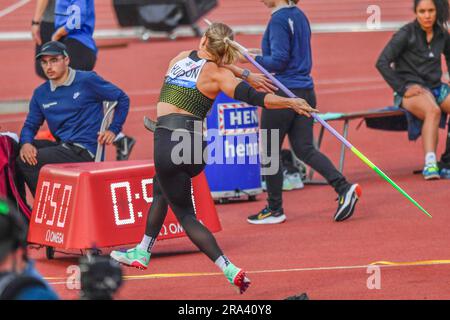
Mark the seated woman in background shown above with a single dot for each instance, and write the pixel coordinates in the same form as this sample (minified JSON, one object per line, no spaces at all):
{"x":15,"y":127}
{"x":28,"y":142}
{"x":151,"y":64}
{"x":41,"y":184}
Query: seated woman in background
{"x":411,"y":65}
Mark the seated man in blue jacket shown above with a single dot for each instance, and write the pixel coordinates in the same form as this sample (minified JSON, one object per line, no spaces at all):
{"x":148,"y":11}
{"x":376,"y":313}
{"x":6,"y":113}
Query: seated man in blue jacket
{"x":71,"y":102}
{"x":72,"y":22}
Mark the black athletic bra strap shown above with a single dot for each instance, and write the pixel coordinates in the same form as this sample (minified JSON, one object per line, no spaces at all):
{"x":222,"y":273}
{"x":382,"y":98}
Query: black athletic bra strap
{"x":194,"y":56}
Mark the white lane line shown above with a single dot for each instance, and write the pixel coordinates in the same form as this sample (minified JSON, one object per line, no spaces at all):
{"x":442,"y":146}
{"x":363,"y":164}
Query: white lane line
{"x":13,"y":8}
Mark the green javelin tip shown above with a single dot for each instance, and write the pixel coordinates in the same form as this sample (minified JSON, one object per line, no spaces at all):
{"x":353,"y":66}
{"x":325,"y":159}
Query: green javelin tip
{"x":385,"y":177}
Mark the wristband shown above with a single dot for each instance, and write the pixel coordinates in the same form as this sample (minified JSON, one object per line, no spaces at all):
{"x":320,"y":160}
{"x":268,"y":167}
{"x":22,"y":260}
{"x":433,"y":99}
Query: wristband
{"x":245,"y":74}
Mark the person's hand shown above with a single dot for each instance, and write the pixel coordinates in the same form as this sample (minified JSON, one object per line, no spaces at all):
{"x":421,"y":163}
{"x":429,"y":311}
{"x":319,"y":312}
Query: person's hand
{"x":60,"y":33}
{"x":28,"y":154}
{"x":301,"y":107}
{"x":36,"y":34}
{"x":414,"y":90}
{"x":261,"y":83}
{"x":255,"y":51}
{"x":106,"y":137}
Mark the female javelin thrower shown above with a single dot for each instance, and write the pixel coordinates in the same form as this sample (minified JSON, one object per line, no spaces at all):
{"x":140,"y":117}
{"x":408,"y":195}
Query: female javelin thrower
{"x":411,"y":64}
{"x":193,"y":81}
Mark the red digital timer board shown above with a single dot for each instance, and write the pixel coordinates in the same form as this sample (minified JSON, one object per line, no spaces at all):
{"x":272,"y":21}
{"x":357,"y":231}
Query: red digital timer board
{"x":105,"y":204}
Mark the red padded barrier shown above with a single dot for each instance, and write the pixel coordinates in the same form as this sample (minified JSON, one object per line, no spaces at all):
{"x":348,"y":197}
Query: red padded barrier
{"x":105,"y":204}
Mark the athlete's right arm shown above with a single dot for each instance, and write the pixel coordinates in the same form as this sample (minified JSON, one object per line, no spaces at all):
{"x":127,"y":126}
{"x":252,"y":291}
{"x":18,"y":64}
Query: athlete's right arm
{"x":239,"y":90}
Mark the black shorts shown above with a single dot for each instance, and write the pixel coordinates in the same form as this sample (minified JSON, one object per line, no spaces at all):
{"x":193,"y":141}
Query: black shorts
{"x":81,"y":57}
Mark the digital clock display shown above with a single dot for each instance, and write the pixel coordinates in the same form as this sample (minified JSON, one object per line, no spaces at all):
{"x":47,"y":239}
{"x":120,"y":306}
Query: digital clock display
{"x":127,"y":187}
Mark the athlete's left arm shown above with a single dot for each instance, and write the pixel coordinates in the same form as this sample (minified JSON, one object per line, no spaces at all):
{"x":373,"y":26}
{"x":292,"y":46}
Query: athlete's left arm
{"x":257,"y":80}
{"x":241,"y":91}
{"x":106,"y":91}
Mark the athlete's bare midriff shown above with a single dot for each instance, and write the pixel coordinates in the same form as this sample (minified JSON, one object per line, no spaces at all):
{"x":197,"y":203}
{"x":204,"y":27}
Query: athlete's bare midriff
{"x":163,"y":109}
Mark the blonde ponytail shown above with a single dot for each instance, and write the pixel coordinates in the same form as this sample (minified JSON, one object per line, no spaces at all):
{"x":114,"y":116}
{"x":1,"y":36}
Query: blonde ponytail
{"x":219,"y":46}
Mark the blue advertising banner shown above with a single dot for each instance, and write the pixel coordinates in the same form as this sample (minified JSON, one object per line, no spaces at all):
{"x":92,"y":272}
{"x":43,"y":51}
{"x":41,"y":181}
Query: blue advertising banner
{"x":233,"y":148}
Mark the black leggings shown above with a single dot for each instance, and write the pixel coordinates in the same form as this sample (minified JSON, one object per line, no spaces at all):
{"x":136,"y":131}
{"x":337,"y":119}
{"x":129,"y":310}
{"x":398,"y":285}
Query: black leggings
{"x":300,"y":132}
{"x":172,"y":185}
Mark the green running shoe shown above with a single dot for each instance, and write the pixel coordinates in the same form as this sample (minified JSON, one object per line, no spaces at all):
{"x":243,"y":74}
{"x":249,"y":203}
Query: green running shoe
{"x":134,"y":257}
{"x":237,"y":278}
{"x":431,"y":172}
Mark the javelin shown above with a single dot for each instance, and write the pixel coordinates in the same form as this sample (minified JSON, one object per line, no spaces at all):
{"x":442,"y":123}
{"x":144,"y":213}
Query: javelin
{"x":244,"y":52}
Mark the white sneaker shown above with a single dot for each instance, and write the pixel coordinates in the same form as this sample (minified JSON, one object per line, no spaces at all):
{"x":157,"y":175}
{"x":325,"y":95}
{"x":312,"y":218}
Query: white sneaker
{"x":295,"y":180}
{"x":290,"y":182}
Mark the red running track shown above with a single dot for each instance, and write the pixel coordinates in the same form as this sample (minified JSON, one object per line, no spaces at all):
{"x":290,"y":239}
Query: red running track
{"x":309,"y":253}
